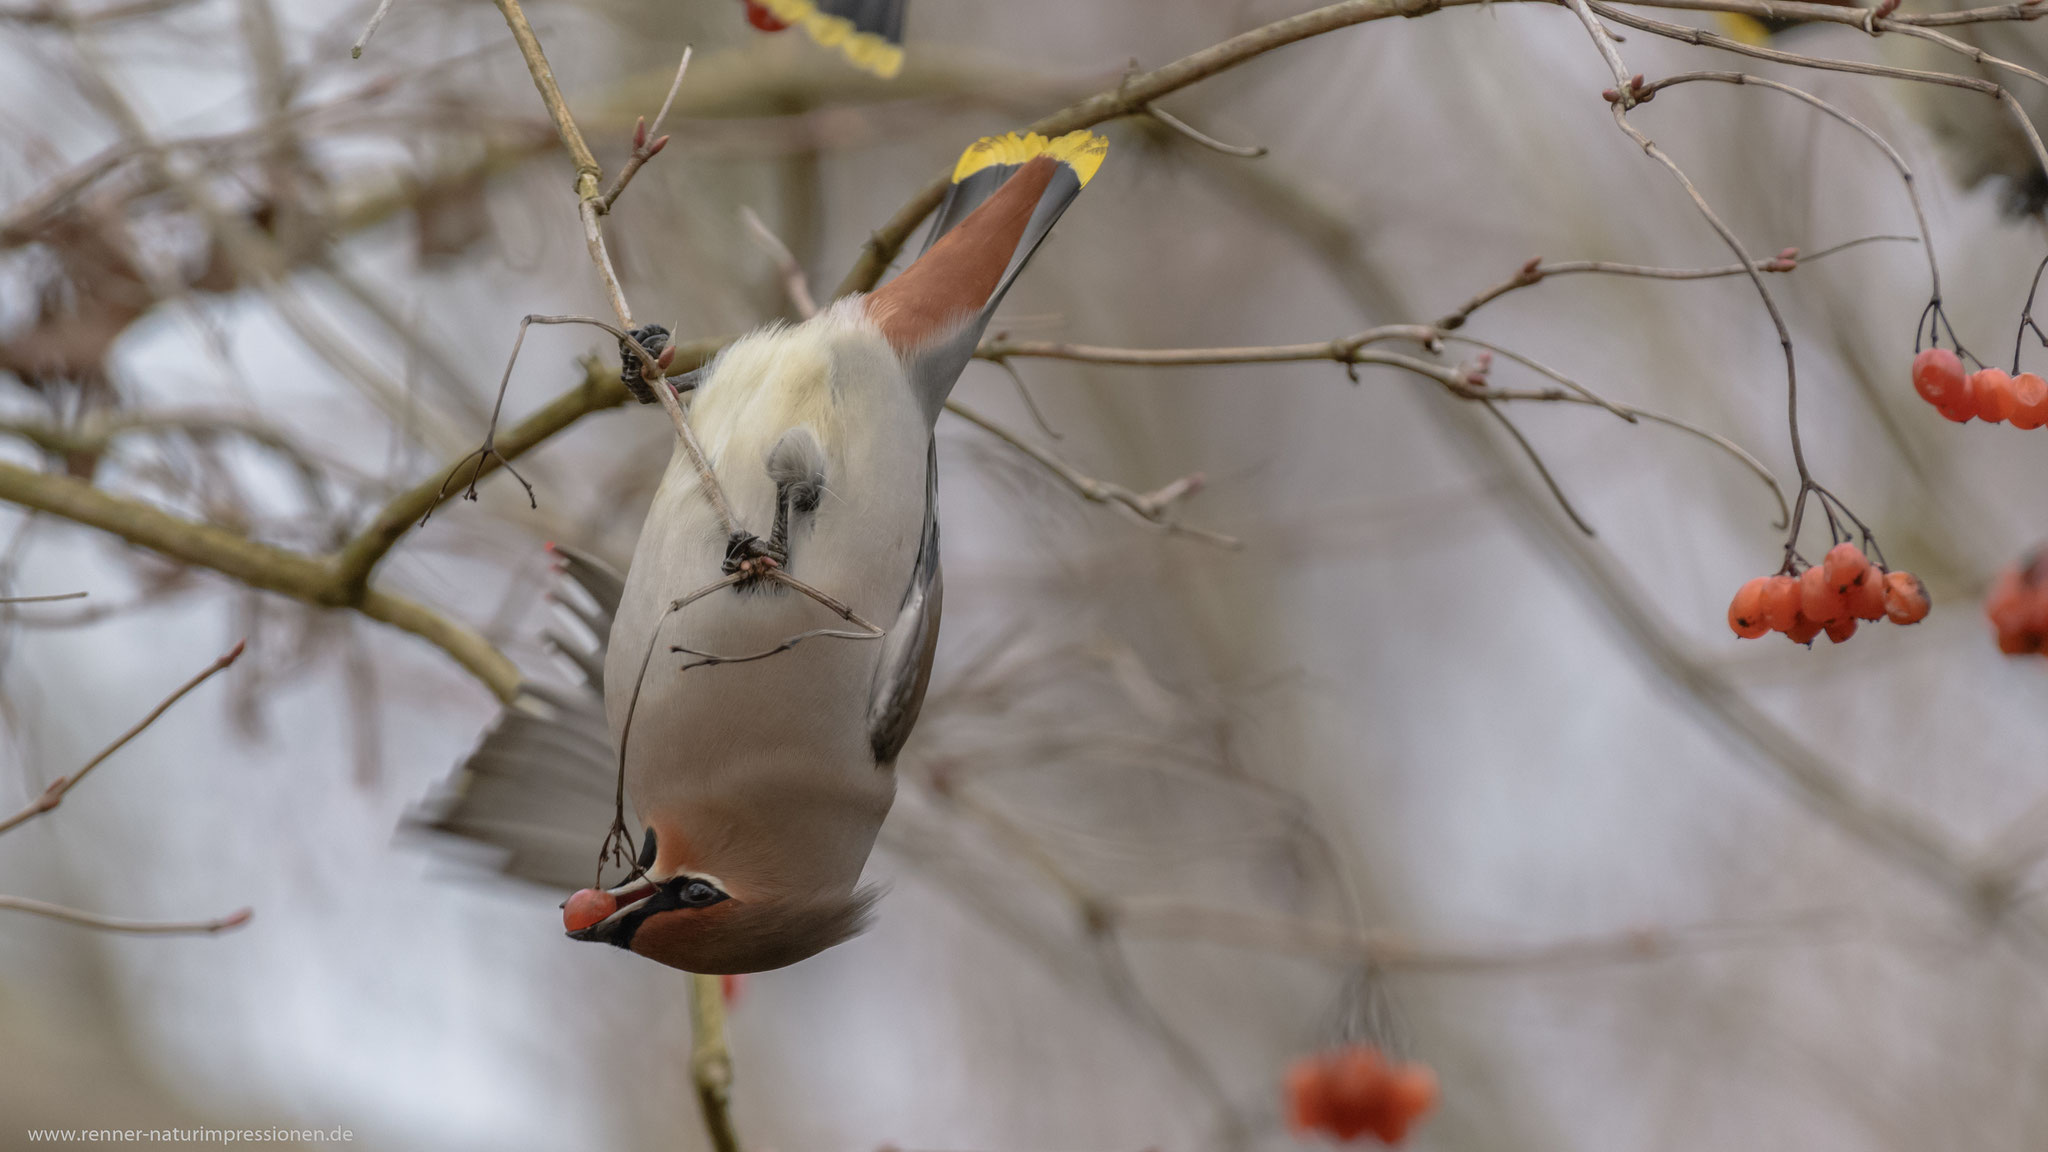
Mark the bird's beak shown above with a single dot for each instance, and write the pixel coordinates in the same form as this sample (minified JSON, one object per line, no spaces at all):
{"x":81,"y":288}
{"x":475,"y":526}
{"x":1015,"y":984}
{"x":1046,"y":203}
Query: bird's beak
{"x":630,"y":895}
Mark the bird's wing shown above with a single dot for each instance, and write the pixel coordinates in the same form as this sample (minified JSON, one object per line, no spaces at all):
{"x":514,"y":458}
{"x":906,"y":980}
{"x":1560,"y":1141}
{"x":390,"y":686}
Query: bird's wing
{"x":539,"y":791}
{"x":1007,"y":193}
{"x":906,"y":668}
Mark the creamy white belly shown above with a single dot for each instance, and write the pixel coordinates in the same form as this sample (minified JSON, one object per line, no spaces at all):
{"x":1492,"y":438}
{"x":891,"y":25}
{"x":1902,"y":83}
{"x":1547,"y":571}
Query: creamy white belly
{"x":766,"y":765}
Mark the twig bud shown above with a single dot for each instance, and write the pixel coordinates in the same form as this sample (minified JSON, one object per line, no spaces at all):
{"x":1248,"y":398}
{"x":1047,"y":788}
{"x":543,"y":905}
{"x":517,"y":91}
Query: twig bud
{"x":639,"y":133}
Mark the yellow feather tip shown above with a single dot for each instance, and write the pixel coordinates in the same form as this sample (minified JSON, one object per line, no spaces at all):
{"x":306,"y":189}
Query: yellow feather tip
{"x":864,"y":50}
{"x":1743,"y":28}
{"x":1080,"y":150}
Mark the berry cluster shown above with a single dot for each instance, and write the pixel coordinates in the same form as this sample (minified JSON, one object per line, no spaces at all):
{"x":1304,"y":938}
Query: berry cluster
{"x":1988,"y":394}
{"x":1828,"y":597}
{"x":1353,"y":1090}
{"x":2018,"y":606}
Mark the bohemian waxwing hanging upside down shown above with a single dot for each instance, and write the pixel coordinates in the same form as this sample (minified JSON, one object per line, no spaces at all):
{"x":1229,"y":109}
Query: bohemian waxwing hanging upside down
{"x":761,"y":783}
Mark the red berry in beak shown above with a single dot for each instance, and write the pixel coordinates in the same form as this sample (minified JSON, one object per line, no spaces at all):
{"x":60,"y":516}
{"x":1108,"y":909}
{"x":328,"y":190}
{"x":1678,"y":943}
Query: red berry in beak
{"x":586,"y":908}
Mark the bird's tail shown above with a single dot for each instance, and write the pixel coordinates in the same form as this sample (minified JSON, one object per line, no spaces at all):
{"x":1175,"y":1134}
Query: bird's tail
{"x":869,"y":33}
{"x":1007,"y":193}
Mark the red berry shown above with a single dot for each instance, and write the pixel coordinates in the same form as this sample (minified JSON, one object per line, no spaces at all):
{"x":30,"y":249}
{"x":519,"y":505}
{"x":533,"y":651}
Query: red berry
{"x":1992,"y":396}
{"x":1411,"y":1093}
{"x":1781,"y":603}
{"x":1746,"y":611}
{"x":1961,"y":411}
{"x":1840,"y":630}
{"x":1308,"y":1095}
{"x":1905,"y":598}
{"x":2029,"y":401}
{"x":731,"y":987}
{"x":1866,"y":600}
{"x":587,"y":907}
{"x":1802,"y":631}
{"x":1357,"y":1077}
{"x":1818,"y":600}
{"x":1939,"y":377}
{"x":760,"y":17}
{"x":1845,"y":566}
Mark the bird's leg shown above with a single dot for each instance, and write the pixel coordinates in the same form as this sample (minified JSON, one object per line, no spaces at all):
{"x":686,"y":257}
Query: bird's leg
{"x":750,"y":556}
{"x":633,"y":370}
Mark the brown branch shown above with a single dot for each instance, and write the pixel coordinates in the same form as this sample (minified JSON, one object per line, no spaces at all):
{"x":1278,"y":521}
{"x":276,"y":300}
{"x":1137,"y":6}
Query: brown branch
{"x":1133,"y":97}
{"x":1536,"y":271}
{"x":711,"y":1060}
{"x":1696,"y":36}
{"x":1392,"y":953}
{"x":53,"y":795}
{"x":1148,"y":508}
{"x":647,"y":140}
{"x":587,"y":172}
{"x":110,"y":924}
{"x":308,"y":579}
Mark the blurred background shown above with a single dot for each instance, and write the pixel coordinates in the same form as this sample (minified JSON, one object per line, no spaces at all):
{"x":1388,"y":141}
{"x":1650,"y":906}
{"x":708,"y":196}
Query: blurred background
{"x":1418,"y":764}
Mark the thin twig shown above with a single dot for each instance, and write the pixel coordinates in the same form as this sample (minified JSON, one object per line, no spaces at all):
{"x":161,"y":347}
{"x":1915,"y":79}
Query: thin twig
{"x":355,"y":51}
{"x":42,"y":599}
{"x":786,"y":266}
{"x":1543,"y":470}
{"x":53,"y":795}
{"x":1536,"y":271}
{"x":110,"y":924}
{"x":587,"y":172}
{"x":1241,"y":151}
{"x":644,"y":148}
{"x":1150,"y":508}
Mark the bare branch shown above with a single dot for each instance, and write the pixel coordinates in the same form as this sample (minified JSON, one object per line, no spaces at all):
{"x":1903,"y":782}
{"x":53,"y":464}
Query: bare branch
{"x":110,"y":924}
{"x":786,"y":266}
{"x":1149,"y":508}
{"x":355,"y":51}
{"x":1241,"y":151}
{"x":647,"y":141}
{"x":53,"y":795}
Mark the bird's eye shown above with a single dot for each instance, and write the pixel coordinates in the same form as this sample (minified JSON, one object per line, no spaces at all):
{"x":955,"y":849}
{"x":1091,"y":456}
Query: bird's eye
{"x":697,"y":894}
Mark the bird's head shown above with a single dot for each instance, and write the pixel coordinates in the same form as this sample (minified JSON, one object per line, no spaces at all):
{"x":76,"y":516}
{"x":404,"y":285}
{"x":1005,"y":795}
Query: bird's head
{"x":696,"y":921}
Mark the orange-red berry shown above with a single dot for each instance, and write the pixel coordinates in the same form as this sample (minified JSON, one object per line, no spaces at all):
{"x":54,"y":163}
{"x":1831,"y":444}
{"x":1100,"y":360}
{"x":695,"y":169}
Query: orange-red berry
{"x":1818,"y":599}
{"x":1905,"y":598}
{"x":1411,"y":1093}
{"x":1781,"y":603}
{"x":1840,"y":630}
{"x":2029,"y":401}
{"x":1991,"y":394}
{"x":1350,"y":1091}
{"x":2018,"y":607}
{"x":1866,"y":599}
{"x":1845,"y":566}
{"x":586,"y":908}
{"x":1357,"y":1079}
{"x":1746,"y":611}
{"x":1803,"y":631}
{"x":1308,"y":1095}
{"x":1939,"y":377}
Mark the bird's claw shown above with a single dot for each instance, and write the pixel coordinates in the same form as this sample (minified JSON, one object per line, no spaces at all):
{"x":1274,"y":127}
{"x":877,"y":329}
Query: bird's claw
{"x":635,"y":372}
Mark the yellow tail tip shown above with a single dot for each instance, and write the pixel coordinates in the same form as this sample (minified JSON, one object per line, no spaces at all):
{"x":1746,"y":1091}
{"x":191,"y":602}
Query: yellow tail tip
{"x":1080,"y":150}
{"x":1743,"y":28}
{"x":864,"y":50}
